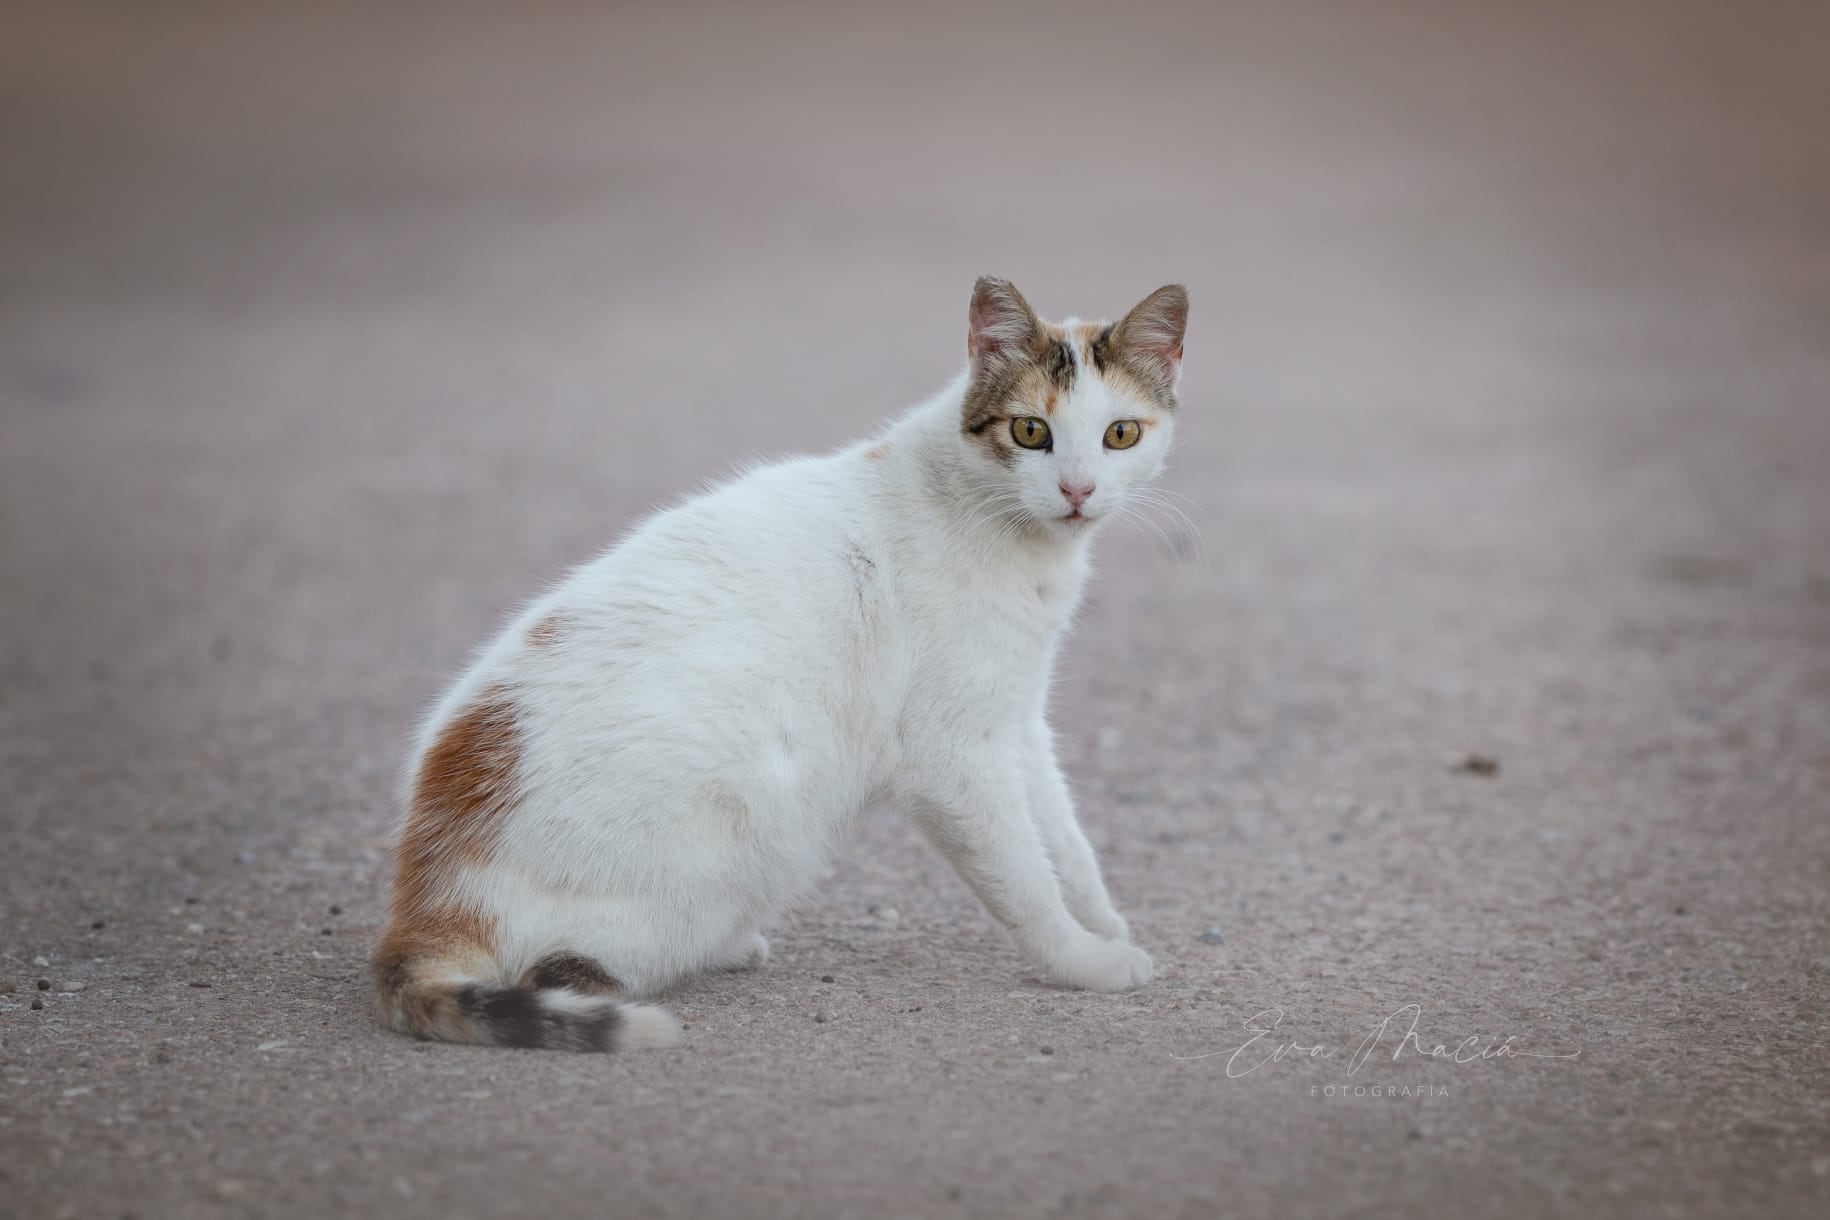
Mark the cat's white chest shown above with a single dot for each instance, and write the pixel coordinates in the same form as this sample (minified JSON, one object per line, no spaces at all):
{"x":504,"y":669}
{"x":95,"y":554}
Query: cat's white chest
{"x":984,"y":643}
{"x":1054,"y":596}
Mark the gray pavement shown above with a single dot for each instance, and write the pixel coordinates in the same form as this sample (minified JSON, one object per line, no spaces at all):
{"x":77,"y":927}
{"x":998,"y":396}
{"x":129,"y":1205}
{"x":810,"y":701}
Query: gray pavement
{"x":329,"y":331}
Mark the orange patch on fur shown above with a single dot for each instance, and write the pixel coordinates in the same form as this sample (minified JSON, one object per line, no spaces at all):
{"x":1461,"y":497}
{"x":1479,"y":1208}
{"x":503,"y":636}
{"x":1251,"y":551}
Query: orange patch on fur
{"x":1048,"y":407}
{"x":1084,"y":334}
{"x":877,"y":453}
{"x":447,"y":932}
{"x":466,"y":783}
{"x":548,"y":631}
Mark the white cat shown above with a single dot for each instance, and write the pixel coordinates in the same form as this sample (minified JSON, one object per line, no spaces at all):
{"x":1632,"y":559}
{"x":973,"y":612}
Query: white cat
{"x":654,"y":760}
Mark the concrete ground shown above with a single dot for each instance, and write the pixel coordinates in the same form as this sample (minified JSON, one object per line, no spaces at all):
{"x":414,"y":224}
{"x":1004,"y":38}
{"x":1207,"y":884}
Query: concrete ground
{"x":329,"y":331}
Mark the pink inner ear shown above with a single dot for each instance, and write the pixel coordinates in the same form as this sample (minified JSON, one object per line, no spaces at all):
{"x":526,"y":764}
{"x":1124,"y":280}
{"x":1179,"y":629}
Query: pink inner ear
{"x":992,"y":333}
{"x":1170,"y":358}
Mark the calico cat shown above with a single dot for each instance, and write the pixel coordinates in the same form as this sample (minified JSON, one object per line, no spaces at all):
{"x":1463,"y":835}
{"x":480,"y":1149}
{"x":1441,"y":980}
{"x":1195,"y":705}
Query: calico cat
{"x":653,"y":760}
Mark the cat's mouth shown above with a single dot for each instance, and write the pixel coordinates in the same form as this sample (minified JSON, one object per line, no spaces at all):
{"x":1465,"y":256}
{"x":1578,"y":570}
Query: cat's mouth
{"x":1075,"y":518}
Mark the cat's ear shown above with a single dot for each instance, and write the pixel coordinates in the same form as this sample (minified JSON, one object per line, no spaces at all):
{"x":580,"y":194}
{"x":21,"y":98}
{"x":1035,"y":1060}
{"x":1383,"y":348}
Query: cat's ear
{"x":1152,"y":332}
{"x":1000,"y":321}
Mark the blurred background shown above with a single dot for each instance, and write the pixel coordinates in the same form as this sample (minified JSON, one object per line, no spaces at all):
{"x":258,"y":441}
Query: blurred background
{"x":329,"y":331}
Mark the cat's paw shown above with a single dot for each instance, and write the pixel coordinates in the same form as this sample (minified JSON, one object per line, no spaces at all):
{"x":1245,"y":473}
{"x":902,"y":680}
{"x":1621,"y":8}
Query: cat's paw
{"x":1097,"y":964}
{"x":749,"y":953}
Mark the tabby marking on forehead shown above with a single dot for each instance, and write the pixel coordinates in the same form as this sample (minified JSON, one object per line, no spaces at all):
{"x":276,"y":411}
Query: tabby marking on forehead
{"x":1058,"y":364}
{"x":1029,"y":383}
{"x":1093,"y":340}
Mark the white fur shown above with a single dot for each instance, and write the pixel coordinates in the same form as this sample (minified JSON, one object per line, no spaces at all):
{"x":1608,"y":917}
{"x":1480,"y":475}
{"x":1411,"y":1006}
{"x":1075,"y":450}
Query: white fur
{"x":745,"y":673}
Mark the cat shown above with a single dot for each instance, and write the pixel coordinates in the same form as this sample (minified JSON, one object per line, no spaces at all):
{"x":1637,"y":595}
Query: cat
{"x":654,"y":759}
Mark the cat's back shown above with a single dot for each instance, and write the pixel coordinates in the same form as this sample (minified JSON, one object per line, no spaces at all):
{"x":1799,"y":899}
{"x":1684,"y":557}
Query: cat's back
{"x":769,"y":591}
{"x":775,"y":549}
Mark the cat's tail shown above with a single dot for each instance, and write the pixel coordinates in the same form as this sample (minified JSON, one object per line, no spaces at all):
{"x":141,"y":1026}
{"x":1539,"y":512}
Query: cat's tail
{"x":564,"y":1002}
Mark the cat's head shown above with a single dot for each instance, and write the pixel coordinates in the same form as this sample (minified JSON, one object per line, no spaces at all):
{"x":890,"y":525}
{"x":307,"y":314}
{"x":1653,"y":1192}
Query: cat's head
{"x":1064,"y":423}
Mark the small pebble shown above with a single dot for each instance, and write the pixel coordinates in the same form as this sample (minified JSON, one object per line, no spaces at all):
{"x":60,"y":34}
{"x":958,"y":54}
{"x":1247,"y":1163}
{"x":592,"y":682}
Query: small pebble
{"x":44,"y":984}
{"x":190,"y":901}
{"x":820,"y":1018}
{"x":197,"y":984}
{"x":826,"y":978}
{"x":335,"y":909}
{"x":325,"y":932}
{"x":1046,"y":1050}
{"x":72,"y":985}
{"x":99,"y":924}
{"x":8,"y":986}
{"x":1211,"y":937}
{"x":1479,"y":764}
{"x":37,"y":1005}
{"x":40,"y":960}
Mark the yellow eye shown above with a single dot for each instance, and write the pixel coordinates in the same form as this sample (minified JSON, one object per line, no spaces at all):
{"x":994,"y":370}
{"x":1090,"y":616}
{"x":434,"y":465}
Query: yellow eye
{"x":1123,"y":434}
{"x":1029,"y":432}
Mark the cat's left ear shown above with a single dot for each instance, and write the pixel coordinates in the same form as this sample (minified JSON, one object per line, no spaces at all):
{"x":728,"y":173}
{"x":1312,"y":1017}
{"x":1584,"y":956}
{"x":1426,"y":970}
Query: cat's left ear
{"x":1152,"y":332}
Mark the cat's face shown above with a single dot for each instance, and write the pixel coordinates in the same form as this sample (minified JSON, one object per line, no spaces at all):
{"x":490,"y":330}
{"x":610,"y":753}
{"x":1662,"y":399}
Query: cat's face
{"x":1062,"y":424}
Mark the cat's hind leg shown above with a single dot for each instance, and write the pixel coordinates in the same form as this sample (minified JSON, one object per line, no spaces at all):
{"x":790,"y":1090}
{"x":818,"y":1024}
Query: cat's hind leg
{"x":452,"y":992}
{"x":747,"y":951}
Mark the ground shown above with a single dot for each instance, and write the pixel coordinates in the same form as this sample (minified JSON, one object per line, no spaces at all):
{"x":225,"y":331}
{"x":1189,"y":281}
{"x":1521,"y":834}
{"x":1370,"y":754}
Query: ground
{"x":1489,"y":673}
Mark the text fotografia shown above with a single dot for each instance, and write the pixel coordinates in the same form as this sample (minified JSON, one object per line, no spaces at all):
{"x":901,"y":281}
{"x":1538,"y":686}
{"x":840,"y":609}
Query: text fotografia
{"x":1378,"y":1090}
{"x":1398,"y":1033}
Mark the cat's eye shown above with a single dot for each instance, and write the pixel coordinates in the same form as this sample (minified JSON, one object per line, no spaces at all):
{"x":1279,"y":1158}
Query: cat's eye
{"x":1123,"y":434}
{"x":1029,"y":432}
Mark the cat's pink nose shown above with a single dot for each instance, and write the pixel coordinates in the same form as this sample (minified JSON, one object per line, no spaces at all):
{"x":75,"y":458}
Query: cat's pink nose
{"x":1076,"y":493}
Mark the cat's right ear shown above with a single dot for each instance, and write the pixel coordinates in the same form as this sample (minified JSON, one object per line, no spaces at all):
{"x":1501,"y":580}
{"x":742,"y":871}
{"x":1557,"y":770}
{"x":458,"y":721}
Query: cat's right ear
{"x":1000,"y":321}
{"x":1152,"y":332}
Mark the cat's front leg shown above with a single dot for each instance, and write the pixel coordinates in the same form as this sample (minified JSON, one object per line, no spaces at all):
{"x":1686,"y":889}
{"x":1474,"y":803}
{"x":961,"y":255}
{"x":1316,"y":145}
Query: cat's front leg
{"x":1052,"y":805}
{"x":979,"y":818}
